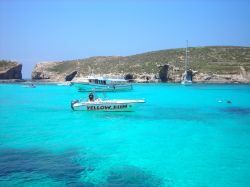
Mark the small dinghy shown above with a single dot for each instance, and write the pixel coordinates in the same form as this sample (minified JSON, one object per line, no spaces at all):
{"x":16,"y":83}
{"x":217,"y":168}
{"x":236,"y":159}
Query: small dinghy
{"x":29,"y":86}
{"x":106,"y":105}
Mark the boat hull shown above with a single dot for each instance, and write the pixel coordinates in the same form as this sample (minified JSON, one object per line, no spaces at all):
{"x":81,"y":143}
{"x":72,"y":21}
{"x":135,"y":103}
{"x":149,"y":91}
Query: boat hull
{"x":186,"y":82}
{"x":111,"y":105}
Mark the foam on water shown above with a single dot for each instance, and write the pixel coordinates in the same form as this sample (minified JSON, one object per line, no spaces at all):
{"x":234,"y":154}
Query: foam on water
{"x":181,"y":136}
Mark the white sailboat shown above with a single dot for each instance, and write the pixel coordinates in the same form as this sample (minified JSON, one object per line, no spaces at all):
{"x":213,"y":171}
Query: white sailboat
{"x":187,"y":77}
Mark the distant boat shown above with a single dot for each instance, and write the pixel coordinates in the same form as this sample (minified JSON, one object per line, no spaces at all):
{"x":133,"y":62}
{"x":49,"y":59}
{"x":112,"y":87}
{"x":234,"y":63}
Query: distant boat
{"x":187,"y":77}
{"x":95,"y":83}
{"x":30,"y":86}
{"x":64,"y":84}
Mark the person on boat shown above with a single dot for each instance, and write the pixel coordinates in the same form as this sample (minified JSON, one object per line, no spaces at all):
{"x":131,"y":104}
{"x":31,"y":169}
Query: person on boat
{"x":91,"y":97}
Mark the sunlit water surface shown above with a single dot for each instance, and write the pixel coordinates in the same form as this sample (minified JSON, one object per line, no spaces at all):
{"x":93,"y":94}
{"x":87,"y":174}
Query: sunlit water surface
{"x":181,"y":136}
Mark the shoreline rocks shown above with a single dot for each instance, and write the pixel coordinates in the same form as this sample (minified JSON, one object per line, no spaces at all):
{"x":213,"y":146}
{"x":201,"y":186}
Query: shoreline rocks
{"x":214,"y":64}
{"x":10,"y":70}
{"x":42,"y":71}
{"x":172,"y":75}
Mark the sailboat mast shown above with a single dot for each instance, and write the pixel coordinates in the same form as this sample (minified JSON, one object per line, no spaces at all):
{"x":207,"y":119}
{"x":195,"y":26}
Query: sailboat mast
{"x":187,"y":78}
{"x":186,"y":59}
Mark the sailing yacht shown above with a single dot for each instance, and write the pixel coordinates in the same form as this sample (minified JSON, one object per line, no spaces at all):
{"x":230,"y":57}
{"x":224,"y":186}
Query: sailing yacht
{"x":187,"y":77}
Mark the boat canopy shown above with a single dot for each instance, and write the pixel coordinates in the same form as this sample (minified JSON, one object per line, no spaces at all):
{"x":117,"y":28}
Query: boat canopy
{"x":104,"y":81}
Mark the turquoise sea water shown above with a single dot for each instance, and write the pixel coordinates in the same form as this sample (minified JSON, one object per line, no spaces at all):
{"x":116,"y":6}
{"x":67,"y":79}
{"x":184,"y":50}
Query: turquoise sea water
{"x":181,"y":136}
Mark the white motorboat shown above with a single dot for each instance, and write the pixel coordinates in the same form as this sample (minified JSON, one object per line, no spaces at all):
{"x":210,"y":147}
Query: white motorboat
{"x":30,"y":86}
{"x":102,"y":84}
{"x":106,"y":105}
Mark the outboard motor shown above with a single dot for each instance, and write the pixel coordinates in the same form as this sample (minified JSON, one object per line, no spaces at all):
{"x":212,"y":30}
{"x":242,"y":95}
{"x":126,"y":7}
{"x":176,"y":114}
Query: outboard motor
{"x":74,"y":102}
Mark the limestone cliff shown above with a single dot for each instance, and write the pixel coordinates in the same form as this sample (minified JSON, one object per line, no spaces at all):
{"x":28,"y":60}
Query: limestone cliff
{"x":43,"y":71}
{"x":215,"y":64}
{"x":10,"y":70}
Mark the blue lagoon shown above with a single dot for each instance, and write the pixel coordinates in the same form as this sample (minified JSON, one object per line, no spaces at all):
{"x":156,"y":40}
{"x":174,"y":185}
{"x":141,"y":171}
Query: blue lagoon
{"x":181,"y":136}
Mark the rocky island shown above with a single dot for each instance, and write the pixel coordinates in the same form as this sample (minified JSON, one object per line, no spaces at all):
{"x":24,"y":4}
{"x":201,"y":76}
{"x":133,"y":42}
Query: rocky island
{"x":214,"y":64}
{"x":10,"y":71}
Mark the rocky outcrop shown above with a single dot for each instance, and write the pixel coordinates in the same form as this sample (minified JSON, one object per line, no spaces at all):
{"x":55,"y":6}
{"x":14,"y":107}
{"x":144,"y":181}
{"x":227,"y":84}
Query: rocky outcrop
{"x":245,"y":75}
{"x":216,"y":64}
{"x":129,"y":77}
{"x":43,"y":71}
{"x":10,"y":70}
{"x":163,"y":73}
{"x":188,"y":74}
{"x":169,"y":73}
{"x":166,"y":73}
{"x":70,"y":76}
{"x":219,"y":78}
{"x":144,"y":77}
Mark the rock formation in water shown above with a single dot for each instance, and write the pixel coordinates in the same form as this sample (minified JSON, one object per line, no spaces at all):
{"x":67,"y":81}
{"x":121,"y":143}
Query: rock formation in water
{"x":217,"y":64}
{"x":44,"y":71}
{"x":10,"y":70}
{"x":71,"y":76}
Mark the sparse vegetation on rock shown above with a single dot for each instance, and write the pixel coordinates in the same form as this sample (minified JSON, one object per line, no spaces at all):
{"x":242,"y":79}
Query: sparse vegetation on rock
{"x":10,"y":70}
{"x":216,"y":62}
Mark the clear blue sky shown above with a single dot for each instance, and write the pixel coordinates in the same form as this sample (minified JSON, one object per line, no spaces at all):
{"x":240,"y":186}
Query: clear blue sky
{"x":43,"y":30}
